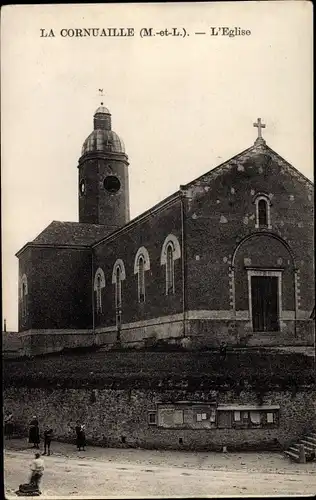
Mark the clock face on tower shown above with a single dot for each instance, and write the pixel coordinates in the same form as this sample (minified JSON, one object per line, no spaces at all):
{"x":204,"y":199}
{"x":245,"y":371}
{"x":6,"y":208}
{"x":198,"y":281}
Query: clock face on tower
{"x":82,"y":187}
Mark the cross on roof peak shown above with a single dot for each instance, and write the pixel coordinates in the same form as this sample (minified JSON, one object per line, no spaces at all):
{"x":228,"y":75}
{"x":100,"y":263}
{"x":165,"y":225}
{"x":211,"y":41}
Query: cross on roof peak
{"x":259,"y":126}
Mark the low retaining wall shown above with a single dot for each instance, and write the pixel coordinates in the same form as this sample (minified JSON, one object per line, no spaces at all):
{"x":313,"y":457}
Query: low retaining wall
{"x":130,"y":417}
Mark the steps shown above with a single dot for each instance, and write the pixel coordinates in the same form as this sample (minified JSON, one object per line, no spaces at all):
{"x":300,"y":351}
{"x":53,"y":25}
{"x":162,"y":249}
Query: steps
{"x":309,"y":443}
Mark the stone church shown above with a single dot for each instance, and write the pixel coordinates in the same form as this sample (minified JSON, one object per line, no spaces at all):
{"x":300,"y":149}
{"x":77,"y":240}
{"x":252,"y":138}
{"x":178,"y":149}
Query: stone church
{"x":228,"y":258}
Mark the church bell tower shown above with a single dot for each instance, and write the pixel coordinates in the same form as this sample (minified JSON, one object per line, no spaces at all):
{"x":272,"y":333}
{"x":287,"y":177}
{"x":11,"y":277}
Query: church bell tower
{"x":103,"y":188}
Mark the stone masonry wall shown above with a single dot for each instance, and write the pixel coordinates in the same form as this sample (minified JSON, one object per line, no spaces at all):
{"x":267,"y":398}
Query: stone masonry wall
{"x":119,"y":418}
{"x":151,"y":234}
{"x":220,"y":216}
{"x":55,"y":276}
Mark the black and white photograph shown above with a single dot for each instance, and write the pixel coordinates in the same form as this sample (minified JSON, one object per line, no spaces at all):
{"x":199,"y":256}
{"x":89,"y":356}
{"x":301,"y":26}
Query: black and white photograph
{"x":158,"y":331}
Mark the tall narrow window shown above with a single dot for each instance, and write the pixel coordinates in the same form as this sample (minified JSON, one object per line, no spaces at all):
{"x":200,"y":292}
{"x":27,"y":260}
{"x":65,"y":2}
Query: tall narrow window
{"x":141,"y":265}
{"x":118,"y":289}
{"x":99,"y":300}
{"x":169,"y":271}
{"x":141,"y":279}
{"x":24,"y":298}
{"x":171,"y":251}
{"x":263,"y":218}
{"x":118,"y":275}
{"x":24,"y":294}
{"x":262,"y":213}
{"x":99,"y":284}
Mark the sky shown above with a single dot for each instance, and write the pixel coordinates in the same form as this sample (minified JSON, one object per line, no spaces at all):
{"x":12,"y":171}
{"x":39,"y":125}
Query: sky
{"x":182,"y":104}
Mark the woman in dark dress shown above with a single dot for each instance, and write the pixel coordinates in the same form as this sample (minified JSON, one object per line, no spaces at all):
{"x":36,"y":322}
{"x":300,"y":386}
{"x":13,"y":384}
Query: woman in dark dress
{"x":81,"y":438}
{"x":34,"y":437}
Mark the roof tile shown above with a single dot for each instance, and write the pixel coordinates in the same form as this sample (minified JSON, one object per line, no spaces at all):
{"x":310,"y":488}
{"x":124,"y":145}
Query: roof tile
{"x":72,"y":233}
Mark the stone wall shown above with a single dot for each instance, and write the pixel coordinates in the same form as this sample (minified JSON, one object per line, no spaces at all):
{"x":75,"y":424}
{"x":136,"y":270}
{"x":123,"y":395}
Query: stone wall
{"x":119,"y":417}
{"x":96,"y":205}
{"x":114,"y":392}
{"x":38,"y":342}
{"x":59,"y":288}
{"x":149,"y":233}
{"x":222,"y":242}
{"x":12,"y":345}
{"x":210,"y":333}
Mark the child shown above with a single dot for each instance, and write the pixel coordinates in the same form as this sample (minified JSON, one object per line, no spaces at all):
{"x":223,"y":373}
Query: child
{"x":37,"y":468}
{"x":32,"y":488}
{"x":48,"y":435}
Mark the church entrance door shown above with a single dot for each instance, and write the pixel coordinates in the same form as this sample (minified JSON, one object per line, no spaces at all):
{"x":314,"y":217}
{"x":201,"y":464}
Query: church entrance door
{"x":264,"y":297}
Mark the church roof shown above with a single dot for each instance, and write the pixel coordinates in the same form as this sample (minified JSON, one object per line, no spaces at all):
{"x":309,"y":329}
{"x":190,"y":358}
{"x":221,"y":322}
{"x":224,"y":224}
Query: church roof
{"x":103,"y":140}
{"x":71,"y":233}
{"x":102,"y":110}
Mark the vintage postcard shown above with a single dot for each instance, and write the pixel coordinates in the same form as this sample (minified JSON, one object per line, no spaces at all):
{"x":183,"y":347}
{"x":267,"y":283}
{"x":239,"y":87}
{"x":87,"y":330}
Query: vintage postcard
{"x":158,"y":249}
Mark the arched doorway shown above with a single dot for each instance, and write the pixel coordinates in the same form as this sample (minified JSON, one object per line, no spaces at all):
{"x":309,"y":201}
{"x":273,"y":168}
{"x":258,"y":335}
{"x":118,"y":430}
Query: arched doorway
{"x":264,"y":283}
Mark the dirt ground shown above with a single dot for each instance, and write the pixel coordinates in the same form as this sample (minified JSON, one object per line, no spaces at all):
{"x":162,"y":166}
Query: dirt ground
{"x":109,"y":472}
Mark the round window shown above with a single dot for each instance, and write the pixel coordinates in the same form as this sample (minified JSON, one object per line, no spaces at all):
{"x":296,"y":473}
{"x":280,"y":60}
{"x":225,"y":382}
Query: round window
{"x":112,"y":184}
{"x":82,"y":187}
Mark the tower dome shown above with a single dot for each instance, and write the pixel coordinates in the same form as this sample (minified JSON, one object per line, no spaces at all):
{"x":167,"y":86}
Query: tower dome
{"x":102,"y":110}
{"x":103,"y":138}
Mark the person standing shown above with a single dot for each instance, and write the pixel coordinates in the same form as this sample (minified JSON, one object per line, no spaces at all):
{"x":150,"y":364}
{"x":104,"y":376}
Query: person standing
{"x":77,"y":430}
{"x":81,"y":438}
{"x":48,"y":436}
{"x":34,"y":436}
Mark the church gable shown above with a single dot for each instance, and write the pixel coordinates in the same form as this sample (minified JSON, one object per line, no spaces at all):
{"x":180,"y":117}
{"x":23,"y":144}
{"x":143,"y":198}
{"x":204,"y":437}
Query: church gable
{"x":249,"y":223}
{"x":252,"y":162}
{"x":237,"y":192}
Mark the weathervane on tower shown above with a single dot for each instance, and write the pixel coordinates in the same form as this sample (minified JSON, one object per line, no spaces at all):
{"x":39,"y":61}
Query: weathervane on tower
{"x":259,"y":126}
{"x":101,"y":95}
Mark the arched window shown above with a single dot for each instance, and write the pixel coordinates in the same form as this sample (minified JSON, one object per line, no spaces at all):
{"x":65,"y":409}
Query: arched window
{"x":171,"y":251}
{"x":118,"y":289}
{"x":99,"y":296}
{"x":99,"y":284}
{"x":169,"y":270}
{"x":24,"y":297}
{"x":141,"y":280}
{"x":118,"y":275}
{"x":141,"y":265}
{"x":24,"y":294}
{"x":263,"y":211}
